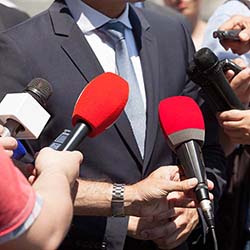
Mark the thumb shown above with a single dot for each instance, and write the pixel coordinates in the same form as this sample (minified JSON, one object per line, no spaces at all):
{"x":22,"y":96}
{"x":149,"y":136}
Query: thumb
{"x":244,"y":36}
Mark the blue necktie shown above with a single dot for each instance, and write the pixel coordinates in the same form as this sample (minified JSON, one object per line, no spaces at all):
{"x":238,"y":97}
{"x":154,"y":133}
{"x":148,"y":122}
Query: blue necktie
{"x":134,"y":108}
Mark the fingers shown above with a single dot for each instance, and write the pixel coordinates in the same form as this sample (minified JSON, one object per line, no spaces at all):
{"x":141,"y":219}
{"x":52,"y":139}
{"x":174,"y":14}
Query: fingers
{"x":235,"y":120}
{"x":238,"y":136}
{"x":175,"y":231}
{"x":185,"y":221}
{"x":232,"y":23}
{"x":241,"y":85}
{"x":231,"y":115}
{"x":181,"y":201}
{"x":184,"y":185}
{"x":237,"y":22}
{"x":172,"y":241}
{"x":9,"y":144}
{"x":159,"y":231}
{"x":210,"y":185}
{"x":241,"y":80}
{"x":240,"y":62}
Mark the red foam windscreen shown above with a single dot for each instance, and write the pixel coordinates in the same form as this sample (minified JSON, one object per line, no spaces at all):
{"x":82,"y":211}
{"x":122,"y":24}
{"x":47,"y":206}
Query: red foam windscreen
{"x":179,"y":113}
{"x":101,"y":102}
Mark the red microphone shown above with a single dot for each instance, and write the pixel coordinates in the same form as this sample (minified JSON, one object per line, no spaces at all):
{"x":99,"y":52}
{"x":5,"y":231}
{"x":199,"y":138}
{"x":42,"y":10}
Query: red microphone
{"x":97,"y":108}
{"x":183,"y":125}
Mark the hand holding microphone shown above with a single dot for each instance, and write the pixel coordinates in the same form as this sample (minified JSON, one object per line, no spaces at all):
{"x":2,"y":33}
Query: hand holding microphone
{"x":23,"y":115}
{"x":8,"y":143}
{"x":242,"y":23}
{"x":182,"y":123}
{"x":208,"y":72}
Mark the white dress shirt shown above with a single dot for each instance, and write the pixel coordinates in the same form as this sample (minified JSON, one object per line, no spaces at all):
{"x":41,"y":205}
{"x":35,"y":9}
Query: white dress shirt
{"x":89,"y":20}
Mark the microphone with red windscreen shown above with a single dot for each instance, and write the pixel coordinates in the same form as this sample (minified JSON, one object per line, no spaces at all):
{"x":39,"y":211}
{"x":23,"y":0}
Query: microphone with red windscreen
{"x":97,"y":108}
{"x":183,"y":125}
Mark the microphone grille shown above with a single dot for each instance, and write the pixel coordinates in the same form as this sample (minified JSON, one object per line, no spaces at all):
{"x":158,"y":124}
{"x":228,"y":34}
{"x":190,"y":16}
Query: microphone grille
{"x":205,"y":59}
{"x":40,"y":89}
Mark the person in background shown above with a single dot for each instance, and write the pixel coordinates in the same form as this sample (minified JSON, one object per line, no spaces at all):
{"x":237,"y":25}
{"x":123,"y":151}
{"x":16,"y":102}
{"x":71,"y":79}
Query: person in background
{"x":191,"y":10}
{"x":162,"y":9}
{"x":221,"y":15}
{"x":233,"y":221}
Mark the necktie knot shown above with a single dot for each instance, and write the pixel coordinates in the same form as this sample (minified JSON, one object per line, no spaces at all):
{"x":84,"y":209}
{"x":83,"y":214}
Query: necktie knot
{"x":115,"y":30}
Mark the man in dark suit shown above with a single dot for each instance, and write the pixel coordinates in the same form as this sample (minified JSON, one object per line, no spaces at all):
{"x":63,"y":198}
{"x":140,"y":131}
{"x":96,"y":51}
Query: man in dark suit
{"x":65,"y":46}
{"x":10,"y":17}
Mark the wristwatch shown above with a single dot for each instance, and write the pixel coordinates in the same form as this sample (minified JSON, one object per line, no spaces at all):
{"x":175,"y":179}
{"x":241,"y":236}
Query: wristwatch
{"x":117,"y":203}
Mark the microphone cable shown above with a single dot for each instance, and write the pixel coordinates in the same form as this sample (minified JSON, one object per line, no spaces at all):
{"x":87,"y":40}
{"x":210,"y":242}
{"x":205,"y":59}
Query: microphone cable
{"x":212,"y":229}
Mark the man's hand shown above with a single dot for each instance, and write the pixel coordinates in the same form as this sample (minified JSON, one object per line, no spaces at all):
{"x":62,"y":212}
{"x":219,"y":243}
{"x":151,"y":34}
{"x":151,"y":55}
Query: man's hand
{"x":175,"y":232}
{"x":237,"y":22}
{"x":8,"y":143}
{"x":148,"y":197}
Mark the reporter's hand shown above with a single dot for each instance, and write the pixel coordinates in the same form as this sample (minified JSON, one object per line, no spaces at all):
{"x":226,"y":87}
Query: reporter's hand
{"x":237,"y":22}
{"x":59,"y":162}
{"x":8,"y":143}
{"x":240,"y":84}
{"x":236,"y":124}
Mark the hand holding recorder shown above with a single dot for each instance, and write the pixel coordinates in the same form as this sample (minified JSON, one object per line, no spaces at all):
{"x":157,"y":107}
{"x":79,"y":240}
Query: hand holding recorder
{"x":241,"y":44}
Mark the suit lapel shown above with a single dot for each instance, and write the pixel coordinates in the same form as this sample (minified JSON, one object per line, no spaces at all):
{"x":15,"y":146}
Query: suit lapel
{"x":147,"y":47}
{"x":80,"y":53}
{"x":74,"y":43}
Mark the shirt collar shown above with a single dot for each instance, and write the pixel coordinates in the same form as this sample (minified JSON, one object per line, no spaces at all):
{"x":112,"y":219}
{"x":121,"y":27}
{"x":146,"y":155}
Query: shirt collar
{"x":89,"y":19}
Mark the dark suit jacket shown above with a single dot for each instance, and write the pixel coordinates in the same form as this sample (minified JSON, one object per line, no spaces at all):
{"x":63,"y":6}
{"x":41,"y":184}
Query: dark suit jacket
{"x":52,"y":46}
{"x":10,"y":17}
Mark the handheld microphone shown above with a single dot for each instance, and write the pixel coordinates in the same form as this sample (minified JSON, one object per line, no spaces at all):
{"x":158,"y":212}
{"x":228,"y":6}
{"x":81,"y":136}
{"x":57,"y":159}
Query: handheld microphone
{"x":208,"y":72}
{"x":97,"y":108}
{"x":183,"y":125}
{"x":22,"y":114}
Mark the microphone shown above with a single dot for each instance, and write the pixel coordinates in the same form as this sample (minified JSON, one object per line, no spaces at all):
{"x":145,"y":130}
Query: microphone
{"x":208,"y":72}
{"x":183,"y":125}
{"x":97,"y":108}
{"x":22,"y":114}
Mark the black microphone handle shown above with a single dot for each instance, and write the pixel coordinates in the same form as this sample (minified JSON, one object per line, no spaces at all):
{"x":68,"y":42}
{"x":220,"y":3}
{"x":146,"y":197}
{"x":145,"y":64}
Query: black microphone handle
{"x":218,"y":80}
{"x":190,"y":156}
{"x":79,"y":132}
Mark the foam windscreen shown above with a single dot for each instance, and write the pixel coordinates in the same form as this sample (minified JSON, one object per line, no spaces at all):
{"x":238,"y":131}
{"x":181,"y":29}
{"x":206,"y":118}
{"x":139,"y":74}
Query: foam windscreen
{"x":179,"y":113}
{"x":101,"y":102}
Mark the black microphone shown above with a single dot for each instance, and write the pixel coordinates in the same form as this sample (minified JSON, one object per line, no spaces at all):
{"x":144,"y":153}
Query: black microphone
{"x":208,"y":72}
{"x":17,"y":109}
